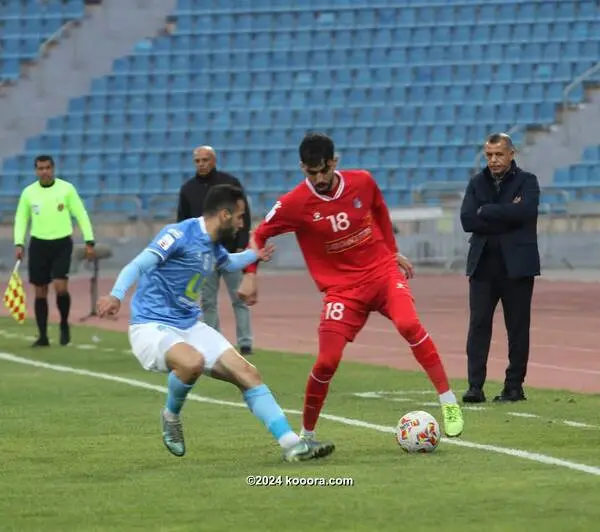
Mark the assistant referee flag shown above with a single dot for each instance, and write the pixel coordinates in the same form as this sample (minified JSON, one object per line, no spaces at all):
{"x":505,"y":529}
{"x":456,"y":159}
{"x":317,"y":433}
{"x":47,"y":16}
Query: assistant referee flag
{"x":14,"y":297}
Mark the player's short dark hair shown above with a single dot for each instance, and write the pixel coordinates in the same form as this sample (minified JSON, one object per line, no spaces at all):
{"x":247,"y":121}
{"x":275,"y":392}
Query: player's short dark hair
{"x":316,"y":149}
{"x":43,"y":159}
{"x":221,"y":197}
{"x":496,"y":138}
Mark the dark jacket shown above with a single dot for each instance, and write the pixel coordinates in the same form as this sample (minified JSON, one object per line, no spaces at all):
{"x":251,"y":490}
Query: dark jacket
{"x":500,"y":226}
{"x":191,"y":203}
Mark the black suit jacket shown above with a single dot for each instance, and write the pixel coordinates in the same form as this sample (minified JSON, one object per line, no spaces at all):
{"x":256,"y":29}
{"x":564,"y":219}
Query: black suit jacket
{"x":491,"y":215}
{"x":191,"y":203}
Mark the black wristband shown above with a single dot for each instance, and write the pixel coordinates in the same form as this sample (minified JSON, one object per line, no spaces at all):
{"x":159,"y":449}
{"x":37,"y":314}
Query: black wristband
{"x":90,"y":243}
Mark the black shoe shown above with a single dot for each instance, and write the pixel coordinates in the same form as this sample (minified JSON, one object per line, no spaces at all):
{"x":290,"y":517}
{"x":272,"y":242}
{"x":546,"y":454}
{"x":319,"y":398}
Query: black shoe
{"x":511,"y":395}
{"x":474,"y":395}
{"x":41,"y":342}
{"x":245,"y":351}
{"x":65,"y":334}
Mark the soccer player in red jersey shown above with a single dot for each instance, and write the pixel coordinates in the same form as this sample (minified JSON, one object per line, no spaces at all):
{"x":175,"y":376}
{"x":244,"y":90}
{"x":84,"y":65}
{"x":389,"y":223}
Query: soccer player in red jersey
{"x":344,"y":231}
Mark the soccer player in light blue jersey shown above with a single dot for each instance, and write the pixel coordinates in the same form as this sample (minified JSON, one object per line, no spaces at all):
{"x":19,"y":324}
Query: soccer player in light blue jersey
{"x":164,"y":329}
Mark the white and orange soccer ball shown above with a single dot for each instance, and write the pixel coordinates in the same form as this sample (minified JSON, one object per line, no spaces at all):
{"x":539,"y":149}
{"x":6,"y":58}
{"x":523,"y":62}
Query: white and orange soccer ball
{"x":418,"y":432}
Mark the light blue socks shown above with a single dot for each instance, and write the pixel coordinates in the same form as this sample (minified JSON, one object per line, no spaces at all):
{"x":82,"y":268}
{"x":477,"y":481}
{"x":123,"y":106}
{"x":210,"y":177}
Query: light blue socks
{"x":262,"y":404}
{"x":177,"y":393}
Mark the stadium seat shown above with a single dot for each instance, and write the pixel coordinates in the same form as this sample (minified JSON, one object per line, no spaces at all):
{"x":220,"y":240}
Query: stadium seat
{"x":409,"y":92}
{"x":24,"y":26}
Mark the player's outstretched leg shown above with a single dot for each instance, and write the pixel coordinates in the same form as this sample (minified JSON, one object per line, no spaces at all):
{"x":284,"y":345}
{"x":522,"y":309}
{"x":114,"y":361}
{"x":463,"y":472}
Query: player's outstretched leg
{"x":235,"y":369}
{"x":331,"y":347}
{"x":404,"y":315}
{"x":186,"y":365}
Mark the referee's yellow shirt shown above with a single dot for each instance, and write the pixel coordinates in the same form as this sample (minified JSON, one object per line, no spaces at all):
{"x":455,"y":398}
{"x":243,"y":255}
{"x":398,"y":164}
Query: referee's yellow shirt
{"x":51,"y":210}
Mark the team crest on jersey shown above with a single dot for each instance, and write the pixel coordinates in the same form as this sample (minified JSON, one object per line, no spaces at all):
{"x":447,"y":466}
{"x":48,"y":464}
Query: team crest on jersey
{"x":35,"y":209}
{"x":60,"y":207}
{"x":316,"y":216}
{"x":357,"y":203}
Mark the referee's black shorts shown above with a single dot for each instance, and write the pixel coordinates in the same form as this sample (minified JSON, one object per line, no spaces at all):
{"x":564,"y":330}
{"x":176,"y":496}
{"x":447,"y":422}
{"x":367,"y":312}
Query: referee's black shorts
{"x":49,"y":259}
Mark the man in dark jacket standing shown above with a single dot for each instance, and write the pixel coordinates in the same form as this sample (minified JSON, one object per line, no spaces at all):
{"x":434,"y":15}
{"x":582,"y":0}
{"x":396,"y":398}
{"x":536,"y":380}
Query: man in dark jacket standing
{"x":500,"y":209}
{"x":191,"y":201}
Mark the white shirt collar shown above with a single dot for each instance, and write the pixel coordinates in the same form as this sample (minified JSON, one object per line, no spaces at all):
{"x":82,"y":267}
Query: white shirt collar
{"x":337,"y":194}
{"x":202,"y":224}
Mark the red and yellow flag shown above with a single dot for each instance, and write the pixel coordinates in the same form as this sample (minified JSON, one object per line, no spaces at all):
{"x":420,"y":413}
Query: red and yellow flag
{"x":14,"y":297}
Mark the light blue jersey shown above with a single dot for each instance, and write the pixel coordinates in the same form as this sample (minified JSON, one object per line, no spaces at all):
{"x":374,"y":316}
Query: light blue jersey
{"x":171,"y":272}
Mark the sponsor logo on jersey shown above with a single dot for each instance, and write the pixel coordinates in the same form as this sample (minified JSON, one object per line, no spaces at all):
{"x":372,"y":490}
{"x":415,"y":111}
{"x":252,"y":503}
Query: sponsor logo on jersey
{"x":187,"y":303}
{"x":353,"y":240}
{"x":166,"y":242}
{"x":208,"y":265}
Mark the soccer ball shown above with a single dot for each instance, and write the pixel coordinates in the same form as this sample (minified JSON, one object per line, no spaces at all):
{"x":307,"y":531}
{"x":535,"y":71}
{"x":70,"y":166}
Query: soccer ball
{"x":418,"y":432}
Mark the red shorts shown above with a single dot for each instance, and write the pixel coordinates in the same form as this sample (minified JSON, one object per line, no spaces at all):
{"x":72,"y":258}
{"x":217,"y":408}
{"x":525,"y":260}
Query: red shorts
{"x":346,"y":311}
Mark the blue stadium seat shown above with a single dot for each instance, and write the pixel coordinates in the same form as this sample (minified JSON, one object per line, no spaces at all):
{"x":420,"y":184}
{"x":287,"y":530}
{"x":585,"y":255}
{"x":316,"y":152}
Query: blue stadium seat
{"x":409,"y":92}
{"x":24,"y":26}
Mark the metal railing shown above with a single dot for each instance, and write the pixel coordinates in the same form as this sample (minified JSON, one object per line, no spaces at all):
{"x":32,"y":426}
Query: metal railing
{"x":570,"y":88}
{"x":566,"y":92}
{"x":439,"y":239}
{"x":55,"y":37}
{"x":42,"y":50}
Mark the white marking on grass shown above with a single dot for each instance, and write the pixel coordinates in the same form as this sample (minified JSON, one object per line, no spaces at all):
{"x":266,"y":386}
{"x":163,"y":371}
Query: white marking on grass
{"x":382,"y":393}
{"x":368,"y":395}
{"x":11,"y":335}
{"x":386,"y":396}
{"x":517,"y":453}
{"x":580,"y":425}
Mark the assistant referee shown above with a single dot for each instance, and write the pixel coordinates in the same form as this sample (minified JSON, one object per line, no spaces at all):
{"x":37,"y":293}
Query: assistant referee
{"x":51,"y":203}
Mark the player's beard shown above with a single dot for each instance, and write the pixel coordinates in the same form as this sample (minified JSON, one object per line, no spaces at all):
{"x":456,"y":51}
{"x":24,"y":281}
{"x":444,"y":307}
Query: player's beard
{"x":226,"y":233}
{"x":324,"y":188}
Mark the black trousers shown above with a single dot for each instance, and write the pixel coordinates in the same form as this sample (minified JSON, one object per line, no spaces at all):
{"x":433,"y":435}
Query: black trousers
{"x":486,"y":288}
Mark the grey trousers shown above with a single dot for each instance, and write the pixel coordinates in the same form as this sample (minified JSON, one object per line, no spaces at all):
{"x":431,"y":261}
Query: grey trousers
{"x":210,"y":307}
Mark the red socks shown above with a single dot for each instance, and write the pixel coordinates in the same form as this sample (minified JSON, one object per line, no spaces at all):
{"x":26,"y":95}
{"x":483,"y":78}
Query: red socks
{"x":403,"y":313}
{"x":427,"y":355}
{"x":331,"y":347}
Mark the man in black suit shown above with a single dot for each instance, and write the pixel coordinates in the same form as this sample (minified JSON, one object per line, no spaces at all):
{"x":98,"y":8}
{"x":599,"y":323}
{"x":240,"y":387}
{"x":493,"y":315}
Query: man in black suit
{"x":500,"y":209}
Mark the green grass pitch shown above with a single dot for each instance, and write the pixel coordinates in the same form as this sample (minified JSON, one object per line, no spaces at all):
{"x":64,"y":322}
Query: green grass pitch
{"x":82,"y":453}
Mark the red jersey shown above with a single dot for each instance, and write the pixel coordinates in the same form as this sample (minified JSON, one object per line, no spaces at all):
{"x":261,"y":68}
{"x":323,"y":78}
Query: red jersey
{"x":346,"y":238}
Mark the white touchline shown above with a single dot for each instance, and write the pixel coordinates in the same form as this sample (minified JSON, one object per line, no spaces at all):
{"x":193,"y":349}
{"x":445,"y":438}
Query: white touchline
{"x":518,"y":453}
{"x":405,"y":398}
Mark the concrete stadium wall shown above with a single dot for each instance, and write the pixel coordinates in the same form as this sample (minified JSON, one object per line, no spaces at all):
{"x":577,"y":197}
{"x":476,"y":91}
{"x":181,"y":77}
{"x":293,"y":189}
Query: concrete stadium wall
{"x":564,"y":242}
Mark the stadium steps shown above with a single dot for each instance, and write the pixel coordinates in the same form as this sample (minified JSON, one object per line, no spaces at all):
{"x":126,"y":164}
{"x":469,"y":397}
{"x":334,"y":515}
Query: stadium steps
{"x":560,"y":146}
{"x":107,"y":32}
